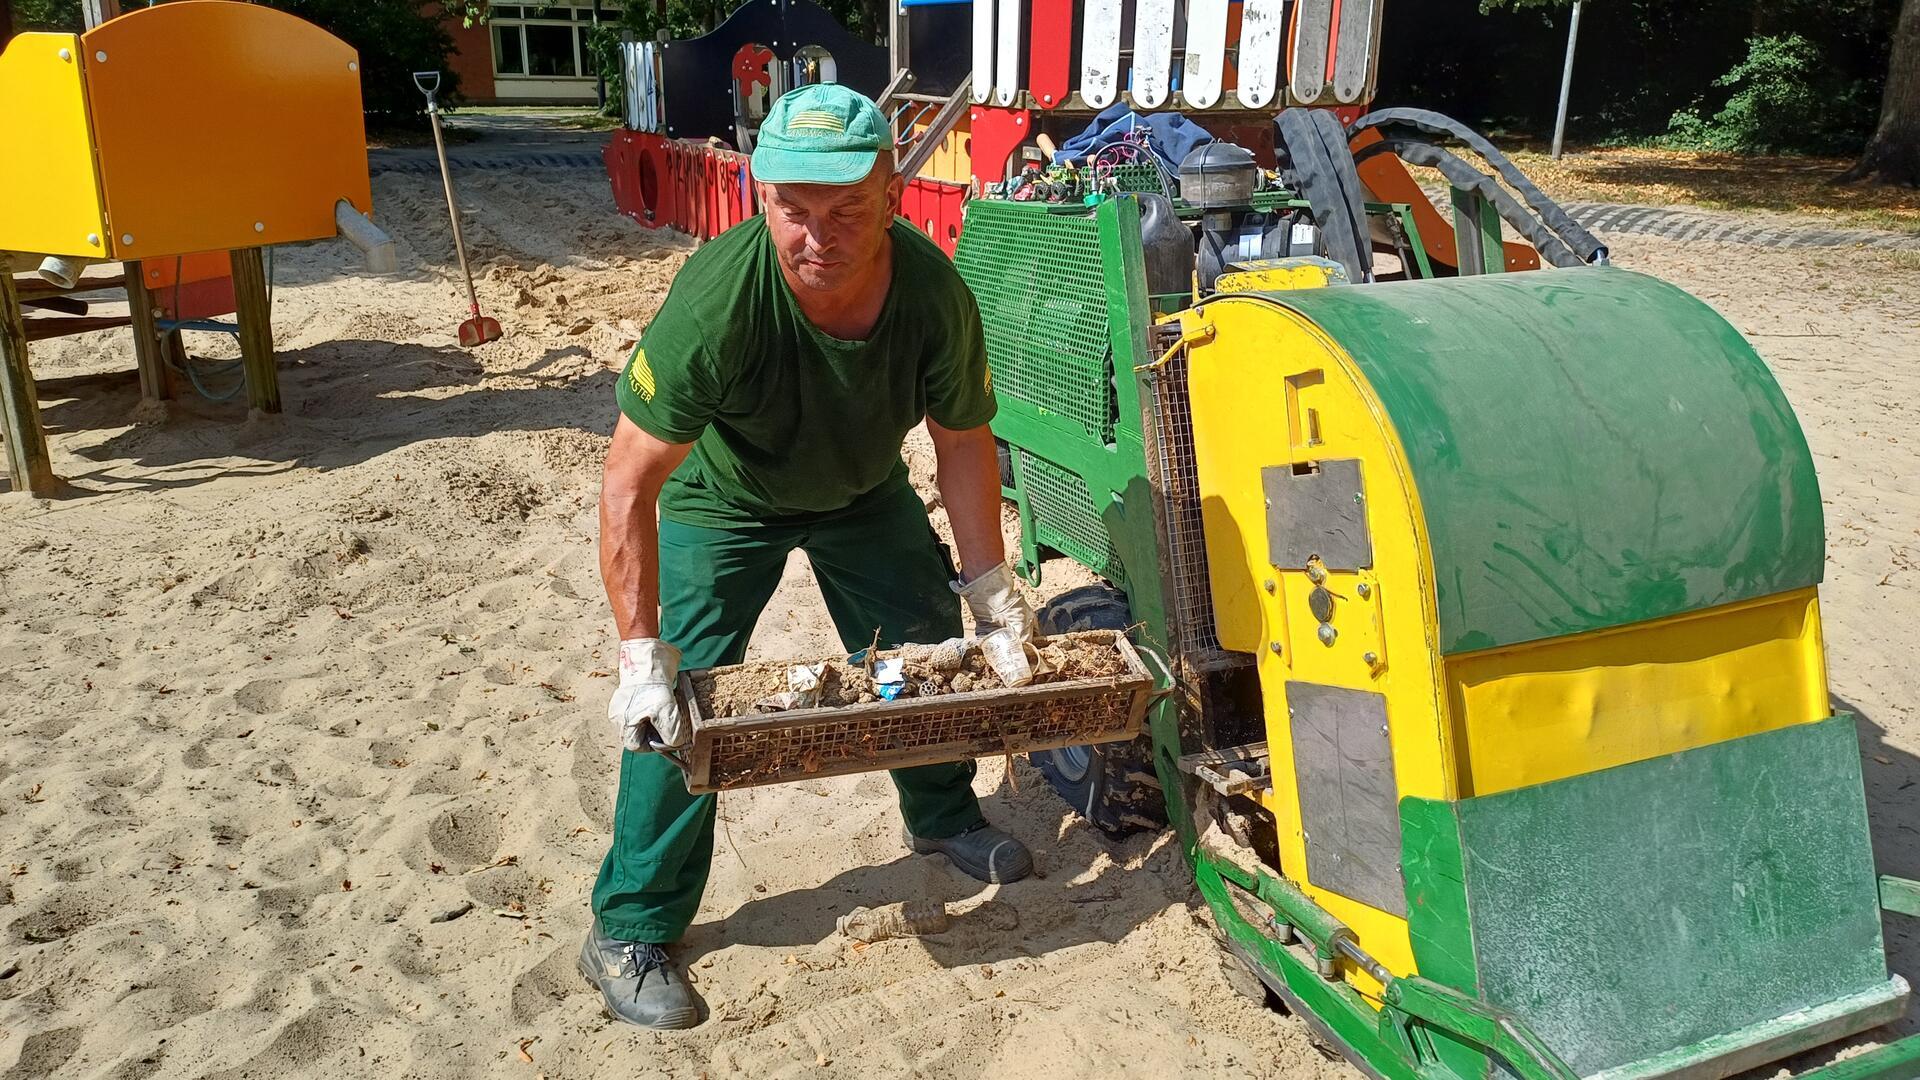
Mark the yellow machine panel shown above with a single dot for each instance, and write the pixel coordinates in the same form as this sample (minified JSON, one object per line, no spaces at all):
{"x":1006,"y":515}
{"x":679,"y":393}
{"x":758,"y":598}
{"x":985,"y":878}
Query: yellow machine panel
{"x":1268,"y":275}
{"x":1560,"y":708}
{"x":49,"y":192}
{"x":1312,"y":406}
{"x":223,"y":125}
{"x":1322,"y":568}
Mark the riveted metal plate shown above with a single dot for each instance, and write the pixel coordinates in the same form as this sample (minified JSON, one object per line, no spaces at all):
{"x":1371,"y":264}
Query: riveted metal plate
{"x":1349,"y":799}
{"x":1322,"y":512}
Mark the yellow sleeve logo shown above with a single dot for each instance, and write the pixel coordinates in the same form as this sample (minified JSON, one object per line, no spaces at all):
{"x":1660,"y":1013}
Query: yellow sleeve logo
{"x":640,"y":375}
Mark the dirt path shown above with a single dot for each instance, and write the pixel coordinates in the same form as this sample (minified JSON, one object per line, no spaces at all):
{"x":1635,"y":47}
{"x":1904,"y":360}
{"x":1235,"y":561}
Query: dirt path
{"x":281,"y":696}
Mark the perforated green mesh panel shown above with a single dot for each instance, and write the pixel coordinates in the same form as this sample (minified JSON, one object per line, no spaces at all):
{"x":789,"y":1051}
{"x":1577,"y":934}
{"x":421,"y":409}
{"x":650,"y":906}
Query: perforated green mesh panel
{"x":1272,"y":199}
{"x":1043,"y":303}
{"x":1142,"y":176}
{"x":1063,"y":514}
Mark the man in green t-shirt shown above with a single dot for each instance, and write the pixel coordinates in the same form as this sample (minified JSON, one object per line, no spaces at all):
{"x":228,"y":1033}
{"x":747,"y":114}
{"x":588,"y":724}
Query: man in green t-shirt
{"x":763,"y":412}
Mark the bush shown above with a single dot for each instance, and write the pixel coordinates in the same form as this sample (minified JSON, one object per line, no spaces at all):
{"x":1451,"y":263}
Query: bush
{"x":640,"y":20}
{"x":1785,"y":98}
{"x":47,"y":15}
{"x":395,"y":38}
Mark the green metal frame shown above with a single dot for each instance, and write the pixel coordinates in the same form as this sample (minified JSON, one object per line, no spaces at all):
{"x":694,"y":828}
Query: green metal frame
{"x":1476,"y":230}
{"x":1424,"y":1030}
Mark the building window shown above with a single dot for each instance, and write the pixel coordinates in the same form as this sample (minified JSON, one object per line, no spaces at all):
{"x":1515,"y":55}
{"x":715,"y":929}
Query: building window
{"x":508,"y":56}
{"x":545,"y":41}
{"x":552,"y":51}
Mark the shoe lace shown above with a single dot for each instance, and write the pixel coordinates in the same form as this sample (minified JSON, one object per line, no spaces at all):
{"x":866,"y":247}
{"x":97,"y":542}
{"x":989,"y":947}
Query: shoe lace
{"x":641,"y":959}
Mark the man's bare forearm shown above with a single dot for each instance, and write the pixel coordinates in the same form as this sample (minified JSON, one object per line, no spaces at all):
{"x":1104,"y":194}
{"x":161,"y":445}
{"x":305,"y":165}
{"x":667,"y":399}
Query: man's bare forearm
{"x":630,"y":561}
{"x":967,"y":469}
{"x":638,"y":465}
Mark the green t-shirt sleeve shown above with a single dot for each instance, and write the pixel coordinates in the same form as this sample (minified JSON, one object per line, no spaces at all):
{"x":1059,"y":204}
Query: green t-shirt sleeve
{"x":671,"y":388}
{"x":959,"y":386}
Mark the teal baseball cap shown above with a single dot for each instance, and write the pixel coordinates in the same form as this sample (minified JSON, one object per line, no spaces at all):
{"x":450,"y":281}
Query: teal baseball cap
{"x":820,"y":134}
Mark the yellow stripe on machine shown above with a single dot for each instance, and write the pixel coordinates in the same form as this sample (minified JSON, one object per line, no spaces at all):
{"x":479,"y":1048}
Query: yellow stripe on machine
{"x":1548,"y":710}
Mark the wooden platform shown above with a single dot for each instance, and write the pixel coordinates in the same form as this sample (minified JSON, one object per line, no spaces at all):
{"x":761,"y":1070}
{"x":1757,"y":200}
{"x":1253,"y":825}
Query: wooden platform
{"x":29,"y":464}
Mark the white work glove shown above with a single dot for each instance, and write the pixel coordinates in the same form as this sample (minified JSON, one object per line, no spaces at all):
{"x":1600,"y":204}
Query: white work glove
{"x":995,"y":601}
{"x":644,"y":708}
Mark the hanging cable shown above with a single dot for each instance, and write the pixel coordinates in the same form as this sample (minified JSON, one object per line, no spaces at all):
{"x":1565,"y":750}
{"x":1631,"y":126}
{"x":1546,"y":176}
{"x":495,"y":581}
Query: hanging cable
{"x":1575,"y":236}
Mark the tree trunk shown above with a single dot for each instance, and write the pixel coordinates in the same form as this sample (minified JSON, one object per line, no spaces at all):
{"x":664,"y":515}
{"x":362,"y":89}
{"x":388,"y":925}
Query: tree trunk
{"x":6,"y":22}
{"x":1893,"y":154}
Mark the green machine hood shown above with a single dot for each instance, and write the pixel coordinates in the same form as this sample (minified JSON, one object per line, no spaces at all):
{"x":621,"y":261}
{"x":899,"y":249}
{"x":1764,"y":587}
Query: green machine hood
{"x":1592,"y":447}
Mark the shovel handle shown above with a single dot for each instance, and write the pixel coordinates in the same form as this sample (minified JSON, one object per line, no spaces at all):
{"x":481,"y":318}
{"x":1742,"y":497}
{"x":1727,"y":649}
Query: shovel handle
{"x":428,"y":83}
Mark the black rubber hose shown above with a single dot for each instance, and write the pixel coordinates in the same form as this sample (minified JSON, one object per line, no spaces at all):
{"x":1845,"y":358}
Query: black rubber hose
{"x":1464,"y":176}
{"x":1589,"y":247}
{"x":1321,"y":169}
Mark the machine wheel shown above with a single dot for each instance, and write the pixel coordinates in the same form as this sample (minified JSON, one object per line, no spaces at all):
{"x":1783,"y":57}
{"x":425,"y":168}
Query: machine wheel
{"x":1112,"y":785}
{"x":1005,"y":456}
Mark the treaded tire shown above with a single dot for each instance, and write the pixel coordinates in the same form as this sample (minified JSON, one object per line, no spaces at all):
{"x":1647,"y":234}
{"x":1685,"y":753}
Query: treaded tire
{"x":1112,"y":785}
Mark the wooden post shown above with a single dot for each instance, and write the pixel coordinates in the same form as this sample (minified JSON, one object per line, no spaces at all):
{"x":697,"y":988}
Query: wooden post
{"x":148,"y":356}
{"x":28,"y":464}
{"x":95,"y":12}
{"x":255,"y":314}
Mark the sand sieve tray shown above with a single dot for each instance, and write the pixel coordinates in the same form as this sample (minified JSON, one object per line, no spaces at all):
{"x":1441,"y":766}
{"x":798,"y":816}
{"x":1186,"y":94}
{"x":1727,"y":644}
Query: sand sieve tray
{"x":940,"y":719}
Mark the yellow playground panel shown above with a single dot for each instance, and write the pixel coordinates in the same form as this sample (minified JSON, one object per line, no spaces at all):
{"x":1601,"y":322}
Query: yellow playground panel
{"x":202,"y":125}
{"x":196,"y":128}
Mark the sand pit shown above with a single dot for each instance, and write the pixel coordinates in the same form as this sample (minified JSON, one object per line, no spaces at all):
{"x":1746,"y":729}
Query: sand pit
{"x":307,"y":770}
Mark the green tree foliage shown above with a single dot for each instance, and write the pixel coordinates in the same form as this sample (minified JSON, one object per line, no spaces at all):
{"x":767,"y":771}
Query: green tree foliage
{"x":394,"y":38}
{"x":644,"y":19}
{"x":1496,"y":63}
{"x":1783,"y":97}
{"x":46,"y":15}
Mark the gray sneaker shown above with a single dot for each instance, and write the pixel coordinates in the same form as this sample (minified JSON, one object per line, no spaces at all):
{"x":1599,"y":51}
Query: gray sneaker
{"x":983,"y":852}
{"x":638,"y":982}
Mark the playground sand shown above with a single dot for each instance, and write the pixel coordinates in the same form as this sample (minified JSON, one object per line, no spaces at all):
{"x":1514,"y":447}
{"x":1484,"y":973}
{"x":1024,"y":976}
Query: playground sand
{"x":307,"y":770}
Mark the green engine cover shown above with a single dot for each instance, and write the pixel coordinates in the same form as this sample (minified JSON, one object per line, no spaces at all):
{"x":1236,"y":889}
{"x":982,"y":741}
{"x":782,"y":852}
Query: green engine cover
{"x":1592,"y":448}
{"x":1652,"y":907}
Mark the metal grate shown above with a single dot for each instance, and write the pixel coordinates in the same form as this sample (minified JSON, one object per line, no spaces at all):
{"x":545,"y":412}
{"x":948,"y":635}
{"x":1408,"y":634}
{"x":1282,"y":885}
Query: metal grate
{"x":1039,"y":279}
{"x":1273,"y":199}
{"x":1142,"y":176}
{"x":1197,"y":640}
{"x":733,"y":752}
{"x":1064,"y":517}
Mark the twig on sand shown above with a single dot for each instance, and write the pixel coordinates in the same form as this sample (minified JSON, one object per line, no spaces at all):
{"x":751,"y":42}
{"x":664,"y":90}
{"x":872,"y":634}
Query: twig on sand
{"x":453,"y":913}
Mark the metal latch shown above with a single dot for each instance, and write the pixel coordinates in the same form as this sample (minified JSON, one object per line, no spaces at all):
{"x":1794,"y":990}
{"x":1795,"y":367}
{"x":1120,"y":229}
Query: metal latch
{"x":1192,"y":331}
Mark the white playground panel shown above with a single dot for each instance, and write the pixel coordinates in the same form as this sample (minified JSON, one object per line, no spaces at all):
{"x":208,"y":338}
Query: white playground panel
{"x":1152,"y":52}
{"x":1100,"y":52}
{"x":1162,"y":32}
{"x":1206,"y":51}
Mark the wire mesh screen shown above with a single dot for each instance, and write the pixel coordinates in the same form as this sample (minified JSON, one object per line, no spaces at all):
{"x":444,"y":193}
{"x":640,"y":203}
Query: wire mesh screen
{"x":768,"y":749}
{"x":1197,"y":639}
{"x":1064,"y":517}
{"x":1041,"y":284}
{"x":1142,"y":176}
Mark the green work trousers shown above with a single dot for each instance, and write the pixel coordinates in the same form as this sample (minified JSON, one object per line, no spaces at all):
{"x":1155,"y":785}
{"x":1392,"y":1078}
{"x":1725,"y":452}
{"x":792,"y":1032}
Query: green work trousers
{"x":882,"y":567}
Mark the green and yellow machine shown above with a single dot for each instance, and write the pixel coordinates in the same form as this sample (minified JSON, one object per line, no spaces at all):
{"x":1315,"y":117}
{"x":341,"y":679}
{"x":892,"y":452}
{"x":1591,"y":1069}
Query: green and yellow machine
{"x":1500,"y":742}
